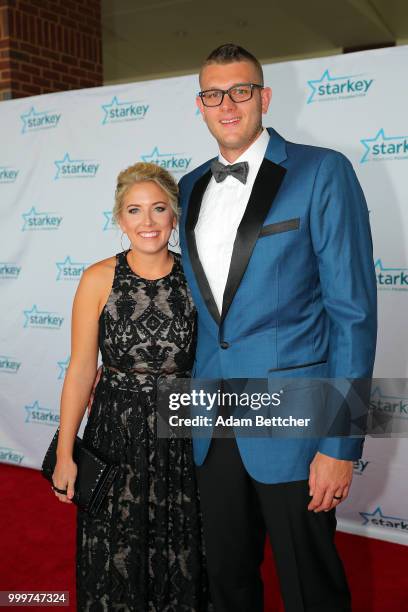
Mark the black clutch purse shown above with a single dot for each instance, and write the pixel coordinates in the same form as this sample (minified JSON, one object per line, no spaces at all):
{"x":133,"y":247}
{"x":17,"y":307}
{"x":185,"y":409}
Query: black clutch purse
{"x":94,"y":478}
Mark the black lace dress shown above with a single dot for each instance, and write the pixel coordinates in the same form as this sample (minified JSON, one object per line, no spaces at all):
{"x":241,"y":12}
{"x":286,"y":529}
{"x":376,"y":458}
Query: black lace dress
{"x":143,"y":551}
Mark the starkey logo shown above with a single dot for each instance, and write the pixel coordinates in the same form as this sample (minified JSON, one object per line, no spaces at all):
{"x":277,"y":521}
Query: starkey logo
{"x":40,"y":415}
{"x":116,"y":112}
{"x":378,"y":519}
{"x":9,"y":365}
{"x":10,"y":455}
{"x":70,"y":270}
{"x":38,"y":221}
{"x":329,"y":88}
{"x":9,"y":270}
{"x":42,"y":319}
{"x":395,"y":405}
{"x":8,"y":174}
{"x":384,"y":148}
{"x":39,"y":120}
{"x":360,"y":466}
{"x":63,"y":366}
{"x":68,"y":168}
{"x":175,"y":162}
{"x":109,"y":223}
{"x":391,"y":278}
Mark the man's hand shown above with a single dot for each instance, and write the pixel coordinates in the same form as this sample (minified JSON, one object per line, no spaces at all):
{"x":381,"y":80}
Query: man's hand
{"x":329,"y":478}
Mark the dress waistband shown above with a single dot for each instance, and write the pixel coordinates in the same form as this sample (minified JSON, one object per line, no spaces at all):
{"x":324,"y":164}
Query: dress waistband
{"x":181,"y":374}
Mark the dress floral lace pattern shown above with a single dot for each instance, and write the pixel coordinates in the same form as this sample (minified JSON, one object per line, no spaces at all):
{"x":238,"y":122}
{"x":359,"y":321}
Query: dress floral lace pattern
{"x":143,"y":552}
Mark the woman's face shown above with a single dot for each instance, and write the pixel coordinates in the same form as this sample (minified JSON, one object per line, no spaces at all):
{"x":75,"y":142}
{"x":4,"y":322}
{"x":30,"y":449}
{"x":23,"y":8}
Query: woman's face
{"x":147,"y":217}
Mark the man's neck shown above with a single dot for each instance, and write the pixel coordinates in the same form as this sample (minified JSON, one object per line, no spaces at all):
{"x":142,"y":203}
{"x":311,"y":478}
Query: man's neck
{"x":231,"y":155}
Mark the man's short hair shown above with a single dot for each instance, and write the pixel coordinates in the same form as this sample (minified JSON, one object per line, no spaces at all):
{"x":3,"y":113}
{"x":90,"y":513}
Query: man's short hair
{"x":229,"y":53}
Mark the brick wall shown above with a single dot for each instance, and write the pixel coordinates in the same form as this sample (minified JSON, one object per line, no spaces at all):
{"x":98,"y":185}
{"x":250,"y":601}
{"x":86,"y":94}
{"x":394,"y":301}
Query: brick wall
{"x":49,"y":45}
{"x":5,"y":74}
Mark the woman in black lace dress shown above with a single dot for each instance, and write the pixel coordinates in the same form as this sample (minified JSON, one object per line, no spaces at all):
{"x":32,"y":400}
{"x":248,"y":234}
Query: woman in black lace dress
{"x":143,"y":551}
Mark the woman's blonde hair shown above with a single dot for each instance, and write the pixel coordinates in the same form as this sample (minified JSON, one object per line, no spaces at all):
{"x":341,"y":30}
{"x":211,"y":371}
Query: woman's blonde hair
{"x":139,"y":173}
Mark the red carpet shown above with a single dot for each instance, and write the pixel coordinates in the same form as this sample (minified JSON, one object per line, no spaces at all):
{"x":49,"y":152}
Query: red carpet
{"x":38,"y":549}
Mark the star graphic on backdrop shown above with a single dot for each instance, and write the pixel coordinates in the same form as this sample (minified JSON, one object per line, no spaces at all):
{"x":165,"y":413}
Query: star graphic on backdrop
{"x":379,"y":264}
{"x":314,"y":83}
{"x":32,"y":114}
{"x":156,"y":154}
{"x":26,"y":216}
{"x":378,"y":513}
{"x":35,"y":406}
{"x":106,"y":107}
{"x":47,"y":417}
{"x":377,"y":394}
{"x":67,"y":262}
{"x":28,"y":313}
{"x":65,"y":160}
{"x":63,"y":365}
{"x":109,"y":223}
{"x":114,"y":104}
{"x":385,"y":420}
{"x":379,"y":137}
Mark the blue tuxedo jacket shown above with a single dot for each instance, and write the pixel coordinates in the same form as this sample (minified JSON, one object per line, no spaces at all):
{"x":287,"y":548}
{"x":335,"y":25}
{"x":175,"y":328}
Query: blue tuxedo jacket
{"x":300,"y":297}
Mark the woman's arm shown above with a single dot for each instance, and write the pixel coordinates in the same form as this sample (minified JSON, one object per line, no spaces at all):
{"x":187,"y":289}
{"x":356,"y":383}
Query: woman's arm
{"x":91,"y":294}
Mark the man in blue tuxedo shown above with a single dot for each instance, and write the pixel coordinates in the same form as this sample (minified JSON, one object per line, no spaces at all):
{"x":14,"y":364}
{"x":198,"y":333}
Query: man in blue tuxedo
{"x":277,"y":251}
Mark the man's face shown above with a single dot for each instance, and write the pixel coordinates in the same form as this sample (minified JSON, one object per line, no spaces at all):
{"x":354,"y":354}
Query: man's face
{"x":234,"y":125}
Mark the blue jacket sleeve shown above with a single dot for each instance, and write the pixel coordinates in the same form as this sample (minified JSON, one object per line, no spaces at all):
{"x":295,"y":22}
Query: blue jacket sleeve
{"x":342,"y":243}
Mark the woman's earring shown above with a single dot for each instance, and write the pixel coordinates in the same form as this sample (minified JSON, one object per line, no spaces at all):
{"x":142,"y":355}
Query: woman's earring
{"x":121,"y":242}
{"x":176,"y":242}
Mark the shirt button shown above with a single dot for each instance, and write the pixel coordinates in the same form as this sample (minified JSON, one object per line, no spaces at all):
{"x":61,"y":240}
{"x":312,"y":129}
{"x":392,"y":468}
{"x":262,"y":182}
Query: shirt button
{"x":224,"y":345}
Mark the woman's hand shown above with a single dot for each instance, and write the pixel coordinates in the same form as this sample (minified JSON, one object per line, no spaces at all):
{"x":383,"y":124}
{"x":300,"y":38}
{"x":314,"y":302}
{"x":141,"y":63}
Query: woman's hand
{"x":64,"y":477}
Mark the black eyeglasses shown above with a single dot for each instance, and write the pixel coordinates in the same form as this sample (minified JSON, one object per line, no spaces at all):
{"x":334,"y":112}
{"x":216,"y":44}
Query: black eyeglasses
{"x":241,"y":92}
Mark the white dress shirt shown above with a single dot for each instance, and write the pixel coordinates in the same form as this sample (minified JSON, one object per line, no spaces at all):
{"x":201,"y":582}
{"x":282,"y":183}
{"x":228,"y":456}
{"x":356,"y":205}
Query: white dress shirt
{"x":221,"y":211}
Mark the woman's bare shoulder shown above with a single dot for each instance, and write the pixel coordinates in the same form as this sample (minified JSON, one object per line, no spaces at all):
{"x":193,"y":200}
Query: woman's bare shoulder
{"x":100,"y":273}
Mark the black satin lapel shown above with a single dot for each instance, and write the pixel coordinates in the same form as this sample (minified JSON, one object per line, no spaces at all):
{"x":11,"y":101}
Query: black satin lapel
{"x":191,"y":221}
{"x":266,"y":186}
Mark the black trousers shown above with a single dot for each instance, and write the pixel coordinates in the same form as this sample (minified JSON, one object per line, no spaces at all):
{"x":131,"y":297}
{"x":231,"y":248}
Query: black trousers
{"x":238,"y":512}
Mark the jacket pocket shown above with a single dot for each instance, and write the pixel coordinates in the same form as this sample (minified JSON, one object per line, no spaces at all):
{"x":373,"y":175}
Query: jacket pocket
{"x":282,"y":226}
{"x":298,"y":367}
{"x":303,"y":376}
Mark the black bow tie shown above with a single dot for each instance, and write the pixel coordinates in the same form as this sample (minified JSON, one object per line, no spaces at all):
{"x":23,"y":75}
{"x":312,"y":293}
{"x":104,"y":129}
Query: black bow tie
{"x":238,"y":171}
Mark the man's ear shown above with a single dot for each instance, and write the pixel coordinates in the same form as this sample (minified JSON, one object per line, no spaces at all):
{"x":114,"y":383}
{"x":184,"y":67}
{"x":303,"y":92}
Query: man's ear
{"x":266,"y":97}
{"x":200,"y":106}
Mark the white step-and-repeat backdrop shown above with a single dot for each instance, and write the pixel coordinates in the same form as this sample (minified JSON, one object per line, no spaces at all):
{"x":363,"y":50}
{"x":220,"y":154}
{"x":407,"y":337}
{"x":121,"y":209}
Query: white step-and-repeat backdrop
{"x":59,"y":158}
